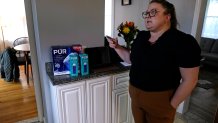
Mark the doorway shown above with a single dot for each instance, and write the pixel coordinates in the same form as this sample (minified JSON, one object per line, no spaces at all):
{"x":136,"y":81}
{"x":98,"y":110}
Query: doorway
{"x":208,"y":74}
{"x":17,"y":97}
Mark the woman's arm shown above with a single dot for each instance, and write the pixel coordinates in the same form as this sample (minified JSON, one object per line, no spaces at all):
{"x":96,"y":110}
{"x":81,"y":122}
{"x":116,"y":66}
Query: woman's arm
{"x":122,"y":52}
{"x":189,"y":81}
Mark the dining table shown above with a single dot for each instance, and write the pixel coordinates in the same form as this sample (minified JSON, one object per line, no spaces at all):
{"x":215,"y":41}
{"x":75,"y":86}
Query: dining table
{"x":25,"y":48}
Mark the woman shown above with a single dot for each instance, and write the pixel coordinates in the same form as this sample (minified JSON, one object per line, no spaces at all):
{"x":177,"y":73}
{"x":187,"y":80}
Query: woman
{"x":165,"y":65}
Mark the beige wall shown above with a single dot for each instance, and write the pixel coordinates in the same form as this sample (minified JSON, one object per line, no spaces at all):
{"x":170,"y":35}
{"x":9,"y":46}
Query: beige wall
{"x":61,"y":22}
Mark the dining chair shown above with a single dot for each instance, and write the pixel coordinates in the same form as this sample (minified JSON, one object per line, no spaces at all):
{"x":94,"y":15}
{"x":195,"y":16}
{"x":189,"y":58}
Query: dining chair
{"x":20,"y":54}
{"x":21,"y":40}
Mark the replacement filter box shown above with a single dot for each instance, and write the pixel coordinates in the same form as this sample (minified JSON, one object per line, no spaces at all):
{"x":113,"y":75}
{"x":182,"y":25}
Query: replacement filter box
{"x":74,"y":64}
{"x":84,"y":64}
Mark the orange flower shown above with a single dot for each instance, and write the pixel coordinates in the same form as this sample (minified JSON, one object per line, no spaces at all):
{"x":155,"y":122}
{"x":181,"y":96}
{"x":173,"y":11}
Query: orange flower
{"x":130,"y":24}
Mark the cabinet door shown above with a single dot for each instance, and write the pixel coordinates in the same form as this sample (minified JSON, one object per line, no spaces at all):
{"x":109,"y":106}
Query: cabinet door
{"x":121,"y":106}
{"x":120,"y":80}
{"x":121,"y":102}
{"x":71,"y":103}
{"x":98,"y":100}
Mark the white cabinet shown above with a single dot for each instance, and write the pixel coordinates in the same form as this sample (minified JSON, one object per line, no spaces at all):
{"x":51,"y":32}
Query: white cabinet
{"x":68,"y":103}
{"x":82,"y":102}
{"x":98,"y":100}
{"x":121,"y":102}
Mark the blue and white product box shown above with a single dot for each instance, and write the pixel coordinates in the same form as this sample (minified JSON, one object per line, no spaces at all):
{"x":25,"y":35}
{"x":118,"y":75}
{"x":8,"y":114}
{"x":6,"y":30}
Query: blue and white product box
{"x":61,"y":59}
{"x":84,"y":64}
{"x":74,"y":64}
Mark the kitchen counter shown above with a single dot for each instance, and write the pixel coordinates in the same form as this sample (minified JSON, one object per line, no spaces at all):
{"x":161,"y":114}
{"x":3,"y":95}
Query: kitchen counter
{"x":63,"y":79}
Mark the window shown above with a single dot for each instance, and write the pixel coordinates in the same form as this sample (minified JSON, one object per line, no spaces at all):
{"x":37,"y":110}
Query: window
{"x":108,"y":18}
{"x":210,"y":27}
{"x":12,"y":21}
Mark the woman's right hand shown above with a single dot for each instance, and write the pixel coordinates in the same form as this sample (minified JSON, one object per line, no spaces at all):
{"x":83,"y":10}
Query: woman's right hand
{"x":113,"y":42}
{"x":122,"y":52}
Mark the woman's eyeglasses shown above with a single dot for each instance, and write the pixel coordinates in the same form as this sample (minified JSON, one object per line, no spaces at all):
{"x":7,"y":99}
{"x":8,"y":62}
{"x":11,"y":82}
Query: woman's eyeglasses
{"x":149,"y":14}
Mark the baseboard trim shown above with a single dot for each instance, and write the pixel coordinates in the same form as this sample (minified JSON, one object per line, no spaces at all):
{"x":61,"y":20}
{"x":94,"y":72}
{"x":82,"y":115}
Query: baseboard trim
{"x":31,"y":120}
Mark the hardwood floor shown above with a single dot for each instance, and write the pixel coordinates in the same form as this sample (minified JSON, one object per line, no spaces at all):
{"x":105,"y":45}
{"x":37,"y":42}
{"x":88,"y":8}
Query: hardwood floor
{"x":17,"y":99}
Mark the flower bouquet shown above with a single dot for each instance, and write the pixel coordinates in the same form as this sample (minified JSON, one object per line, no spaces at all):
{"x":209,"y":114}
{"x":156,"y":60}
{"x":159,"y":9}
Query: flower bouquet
{"x":128,"y":31}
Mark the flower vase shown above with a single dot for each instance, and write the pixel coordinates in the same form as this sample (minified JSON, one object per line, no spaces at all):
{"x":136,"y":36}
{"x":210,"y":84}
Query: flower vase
{"x":128,"y":44}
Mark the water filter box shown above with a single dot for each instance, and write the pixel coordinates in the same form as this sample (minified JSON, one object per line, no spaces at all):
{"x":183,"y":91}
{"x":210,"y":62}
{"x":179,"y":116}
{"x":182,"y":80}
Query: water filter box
{"x":84,"y":64}
{"x":74,"y":64}
{"x":60,"y":56}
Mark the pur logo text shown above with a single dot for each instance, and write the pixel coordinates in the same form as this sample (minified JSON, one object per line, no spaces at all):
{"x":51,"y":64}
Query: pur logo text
{"x":60,"y":51}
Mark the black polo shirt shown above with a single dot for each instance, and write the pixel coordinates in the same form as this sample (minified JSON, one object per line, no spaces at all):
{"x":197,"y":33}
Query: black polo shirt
{"x":155,"y":67}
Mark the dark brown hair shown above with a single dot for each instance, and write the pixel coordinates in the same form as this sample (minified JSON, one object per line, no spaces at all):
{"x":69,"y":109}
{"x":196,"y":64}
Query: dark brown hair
{"x":170,"y":9}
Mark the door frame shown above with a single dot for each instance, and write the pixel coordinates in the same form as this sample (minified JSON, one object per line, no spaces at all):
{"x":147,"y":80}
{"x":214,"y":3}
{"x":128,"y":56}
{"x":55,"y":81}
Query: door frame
{"x":34,"y":60}
{"x":198,"y":20}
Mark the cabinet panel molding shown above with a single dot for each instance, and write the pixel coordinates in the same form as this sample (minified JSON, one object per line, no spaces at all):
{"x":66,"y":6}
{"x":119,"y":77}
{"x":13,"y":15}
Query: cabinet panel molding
{"x":98,"y":100}
{"x":121,"y":106}
{"x":120,"y":80}
{"x":70,"y":103}
{"x":73,"y":105}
